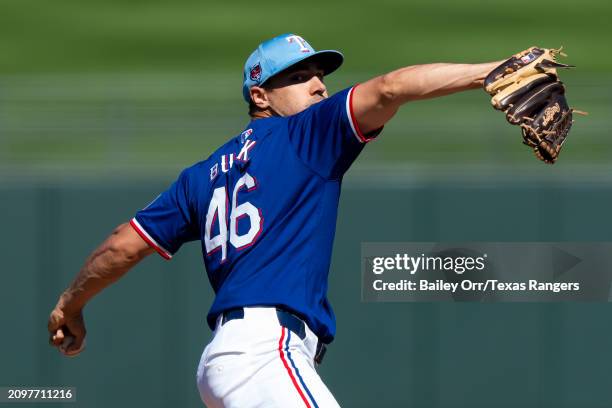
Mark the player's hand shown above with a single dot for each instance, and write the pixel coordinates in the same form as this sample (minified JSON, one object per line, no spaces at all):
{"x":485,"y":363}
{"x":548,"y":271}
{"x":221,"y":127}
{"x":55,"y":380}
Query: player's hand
{"x":66,"y":330}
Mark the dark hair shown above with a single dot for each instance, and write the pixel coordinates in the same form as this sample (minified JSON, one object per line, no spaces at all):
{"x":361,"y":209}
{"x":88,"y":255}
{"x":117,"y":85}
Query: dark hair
{"x":252,"y":107}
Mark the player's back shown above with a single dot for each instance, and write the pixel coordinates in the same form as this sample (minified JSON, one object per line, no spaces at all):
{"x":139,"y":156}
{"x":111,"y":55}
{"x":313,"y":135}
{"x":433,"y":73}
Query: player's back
{"x":264,"y":206}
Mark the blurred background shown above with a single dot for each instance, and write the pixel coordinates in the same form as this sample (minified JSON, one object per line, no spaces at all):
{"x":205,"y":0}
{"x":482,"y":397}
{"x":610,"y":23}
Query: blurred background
{"x":103,"y":102}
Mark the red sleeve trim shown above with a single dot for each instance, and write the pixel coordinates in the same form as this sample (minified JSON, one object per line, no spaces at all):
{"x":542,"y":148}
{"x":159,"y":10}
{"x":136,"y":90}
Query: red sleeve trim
{"x":149,"y":240}
{"x":351,"y":116}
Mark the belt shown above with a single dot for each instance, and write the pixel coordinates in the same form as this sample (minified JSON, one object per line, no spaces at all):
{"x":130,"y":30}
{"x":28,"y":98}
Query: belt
{"x":286,"y":319}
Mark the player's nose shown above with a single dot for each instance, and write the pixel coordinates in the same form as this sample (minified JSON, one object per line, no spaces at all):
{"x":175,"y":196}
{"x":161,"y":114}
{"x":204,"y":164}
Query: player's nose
{"x":317,"y":87}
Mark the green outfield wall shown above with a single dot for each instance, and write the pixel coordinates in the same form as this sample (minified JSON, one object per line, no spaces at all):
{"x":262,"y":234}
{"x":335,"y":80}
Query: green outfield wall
{"x":146,"y":333}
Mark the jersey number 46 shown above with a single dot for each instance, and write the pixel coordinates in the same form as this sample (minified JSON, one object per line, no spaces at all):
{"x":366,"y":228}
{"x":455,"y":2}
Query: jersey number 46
{"x":217,"y":213}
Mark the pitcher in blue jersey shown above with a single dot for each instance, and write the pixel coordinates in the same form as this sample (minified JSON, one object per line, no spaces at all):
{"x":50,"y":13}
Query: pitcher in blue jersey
{"x":264,"y":208}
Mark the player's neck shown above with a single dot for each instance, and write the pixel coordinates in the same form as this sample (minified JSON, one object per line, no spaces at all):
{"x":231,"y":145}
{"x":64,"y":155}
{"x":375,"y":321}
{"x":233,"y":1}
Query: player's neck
{"x":263,"y":114}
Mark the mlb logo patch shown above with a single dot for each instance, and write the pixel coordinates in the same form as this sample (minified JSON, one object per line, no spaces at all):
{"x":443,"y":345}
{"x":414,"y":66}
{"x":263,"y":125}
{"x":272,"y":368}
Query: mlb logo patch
{"x":527,"y":58}
{"x":255,"y":73}
{"x":245,"y":135}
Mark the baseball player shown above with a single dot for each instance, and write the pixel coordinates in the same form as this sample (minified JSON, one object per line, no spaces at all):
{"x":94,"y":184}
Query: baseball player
{"x":264,"y":207}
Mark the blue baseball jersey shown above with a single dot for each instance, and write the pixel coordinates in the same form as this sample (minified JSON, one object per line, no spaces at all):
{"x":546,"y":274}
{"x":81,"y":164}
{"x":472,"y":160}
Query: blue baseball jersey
{"x":264,"y":206}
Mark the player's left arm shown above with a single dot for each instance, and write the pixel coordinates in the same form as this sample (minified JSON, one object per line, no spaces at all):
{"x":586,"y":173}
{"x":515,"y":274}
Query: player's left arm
{"x":376,"y":101}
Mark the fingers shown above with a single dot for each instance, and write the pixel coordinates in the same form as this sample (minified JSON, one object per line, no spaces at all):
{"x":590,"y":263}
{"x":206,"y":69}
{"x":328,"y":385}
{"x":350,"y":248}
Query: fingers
{"x":76,"y":342}
{"x":56,"y":338}
{"x":54,"y":325}
{"x":67,"y":333}
{"x":70,"y":347}
{"x":56,"y":320}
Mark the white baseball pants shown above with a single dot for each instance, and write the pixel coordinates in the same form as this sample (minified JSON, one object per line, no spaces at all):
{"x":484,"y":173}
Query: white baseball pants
{"x":255,"y":362}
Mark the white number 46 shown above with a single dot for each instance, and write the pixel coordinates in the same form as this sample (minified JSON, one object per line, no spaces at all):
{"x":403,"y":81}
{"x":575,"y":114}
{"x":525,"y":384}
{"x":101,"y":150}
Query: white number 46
{"x":217,"y":213}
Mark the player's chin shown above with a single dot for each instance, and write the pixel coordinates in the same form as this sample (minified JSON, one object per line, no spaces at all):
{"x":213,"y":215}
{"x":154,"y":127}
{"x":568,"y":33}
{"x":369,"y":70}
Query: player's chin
{"x":306,"y":106}
{"x":315,"y":101}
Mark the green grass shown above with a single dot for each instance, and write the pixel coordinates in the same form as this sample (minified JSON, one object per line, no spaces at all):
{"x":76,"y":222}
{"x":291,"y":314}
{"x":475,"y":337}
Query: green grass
{"x":156,"y":83}
{"x":173,"y":120}
{"x":161,"y":36}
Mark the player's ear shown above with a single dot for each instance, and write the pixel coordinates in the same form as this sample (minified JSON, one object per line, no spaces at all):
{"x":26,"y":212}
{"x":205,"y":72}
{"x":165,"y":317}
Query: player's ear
{"x":259,"y":97}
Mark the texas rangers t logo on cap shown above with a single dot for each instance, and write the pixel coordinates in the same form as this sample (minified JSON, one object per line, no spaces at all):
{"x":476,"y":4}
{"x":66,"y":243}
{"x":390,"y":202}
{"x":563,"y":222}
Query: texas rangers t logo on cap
{"x":302,"y":42}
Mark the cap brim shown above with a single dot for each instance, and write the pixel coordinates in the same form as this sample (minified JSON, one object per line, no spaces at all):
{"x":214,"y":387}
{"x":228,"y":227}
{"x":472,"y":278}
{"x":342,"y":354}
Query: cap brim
{"x":328,"y":60}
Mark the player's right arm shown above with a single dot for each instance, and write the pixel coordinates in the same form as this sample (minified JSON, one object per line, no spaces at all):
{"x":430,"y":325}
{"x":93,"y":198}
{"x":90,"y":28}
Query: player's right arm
{"x":376,"y":101}
{"x":123,"y":249}
{"x":162,"y":226}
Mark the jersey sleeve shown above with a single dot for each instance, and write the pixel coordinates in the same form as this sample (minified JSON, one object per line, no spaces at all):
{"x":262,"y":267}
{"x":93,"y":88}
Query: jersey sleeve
{"x":326,"y":135}
{"x":170,"y":220}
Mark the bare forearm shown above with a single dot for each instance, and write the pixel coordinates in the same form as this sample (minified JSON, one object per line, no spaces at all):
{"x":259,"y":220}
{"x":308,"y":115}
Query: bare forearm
{"x":377,"y":100}
{"x":108,"y":263}
{"x":432,"y":80}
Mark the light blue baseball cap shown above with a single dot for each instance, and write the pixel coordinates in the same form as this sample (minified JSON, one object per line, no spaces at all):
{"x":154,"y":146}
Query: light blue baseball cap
{"x":279,"y":53}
